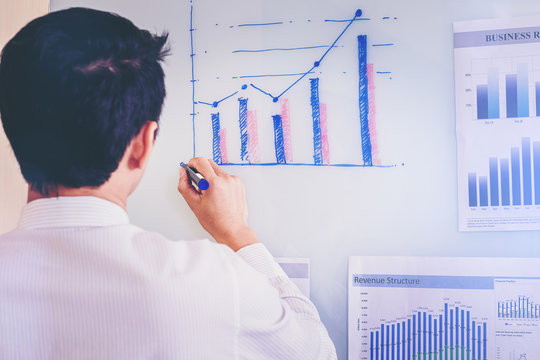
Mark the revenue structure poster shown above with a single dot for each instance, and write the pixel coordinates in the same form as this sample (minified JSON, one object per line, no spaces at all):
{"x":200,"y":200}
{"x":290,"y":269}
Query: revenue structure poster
{"x":497,"y":78}
{"x":416,"y":308}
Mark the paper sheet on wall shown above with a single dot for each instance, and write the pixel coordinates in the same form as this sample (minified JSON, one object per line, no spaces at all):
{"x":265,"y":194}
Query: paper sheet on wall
{"x":497,"y":74}
{"x":444,"y":308}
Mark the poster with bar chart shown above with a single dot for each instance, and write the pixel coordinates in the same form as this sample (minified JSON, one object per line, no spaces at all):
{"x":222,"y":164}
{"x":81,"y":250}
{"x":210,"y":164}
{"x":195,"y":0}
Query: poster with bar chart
{"x":413,"y":308}
{"x":276,"y":84}
{"x":497,"y":77}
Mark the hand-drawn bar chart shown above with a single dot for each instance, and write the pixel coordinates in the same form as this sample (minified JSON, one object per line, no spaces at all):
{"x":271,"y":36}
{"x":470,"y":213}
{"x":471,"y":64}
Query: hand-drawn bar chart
{"x":516,"y":176}
{"x":233,"y":129}
{"x":521,"y":308}
{"x":451,"y":334}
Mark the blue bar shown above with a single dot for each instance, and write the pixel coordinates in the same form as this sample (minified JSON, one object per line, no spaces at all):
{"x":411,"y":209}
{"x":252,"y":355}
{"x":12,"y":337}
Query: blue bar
{"x":414,"y":337}
{"x":536,"y":164}
{"x":424,"y":328}
{"x":387,"y":342}
{"x":393,"y":341}
{"x":494,"y":181}
{"x":242,"y":120}
{"x":451,"y":331}
{"x":462,"y":332}
{"x":429,"y":333}
{"x":537,"y":88}
{"x":457,"y":331}
{"x":376,"y":345}
{"x":526,"y":163}
{"x":440,"y":334}
{"x":493,"y":93}
{"x":473,"y":340}
{"x":216,"y":139}
{"x":278,"y":139}
{"x":511,"y":96}
{"x":445,"y":326}
{"x":473,"y":196}
{"x":363,"y":100}
{"x":483,"y":187}
{"x":468,"y":331}
{"x":382,"y":342}
{"x":316,"y":114}
{"x":419,"y":333}
{"x":435,"y":336}
{"x":403,"y":340}
{"x":523,"y":90}
{"x":516,"y":177}
{"x":398,"y":349}
{"x":371,"y":345}
{"x":479,"y":347}
{"x":482,"y":101}
{"x":505,"y":181}
{"x":485,"y":341}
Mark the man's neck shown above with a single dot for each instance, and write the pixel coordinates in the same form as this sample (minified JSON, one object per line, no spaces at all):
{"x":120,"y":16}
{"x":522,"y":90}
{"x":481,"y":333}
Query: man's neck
{"x":101,"y":192}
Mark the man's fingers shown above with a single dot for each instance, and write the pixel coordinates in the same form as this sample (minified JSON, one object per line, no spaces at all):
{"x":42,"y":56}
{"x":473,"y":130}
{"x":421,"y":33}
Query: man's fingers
{"x":203,"y":167}
{"x":219,"y":171}
{"x":186,"y":190}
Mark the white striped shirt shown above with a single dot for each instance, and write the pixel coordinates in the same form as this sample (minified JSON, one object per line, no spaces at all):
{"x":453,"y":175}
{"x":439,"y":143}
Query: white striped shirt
{"x":77,"y":281}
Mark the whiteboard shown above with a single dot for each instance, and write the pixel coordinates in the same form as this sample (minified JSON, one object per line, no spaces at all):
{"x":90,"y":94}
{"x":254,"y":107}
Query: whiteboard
{"x":406,"y":207}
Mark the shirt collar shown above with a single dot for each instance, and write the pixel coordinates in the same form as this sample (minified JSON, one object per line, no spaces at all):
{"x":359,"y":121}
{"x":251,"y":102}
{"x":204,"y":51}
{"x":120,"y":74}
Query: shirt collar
{"x":67,"y":211}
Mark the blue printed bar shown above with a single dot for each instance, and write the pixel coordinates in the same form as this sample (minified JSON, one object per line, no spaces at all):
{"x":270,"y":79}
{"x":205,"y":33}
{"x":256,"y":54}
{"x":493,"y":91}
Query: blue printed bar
{"x":393,"y":341}
{"x":420,"y":330}
{"x":536,"y":165}
{"x":457,"y":331}
{"x":371,"y":345}
{"x":451,"y":333}
{"x":479,"y":338}
{"x":516,"y":176}
{"x":316,"y":115}
{"x":511,"y":96}
{"x":484,"y":353}
{"x":216,"y":140}
{"x":429,"y":333}
{"x":424,"y":327}
{"x":505,"y":181}
{"x":363,"y":100}
{"x":278,"y":139}
{"x":468,"y":333}
{"x":493,"y":93}
{"x":242,"y":121}
{"x":387,"y":342}
{"x":473,"y":340}
{"x":537,"y":90}
{"x":440,"y":337}
{"x":382,"y":342}
{"x":494,"y":181}
{"x":473,"y":196}
{"x":482,"y":101}
{"x":483,"y":190}
{"x":377,"y":345}
{"x":414,"y":336}
{"x":463,"y":334}
{"x":523,"y":90}
{"x":446,"y":326}
{"x":398,"y":351}
{"x":527,"y":173}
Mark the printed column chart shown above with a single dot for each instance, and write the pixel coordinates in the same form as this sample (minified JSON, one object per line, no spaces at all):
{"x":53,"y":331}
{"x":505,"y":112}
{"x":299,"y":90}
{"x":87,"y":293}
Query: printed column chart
{"x":497,"y":75}
{"x":260,"y":86}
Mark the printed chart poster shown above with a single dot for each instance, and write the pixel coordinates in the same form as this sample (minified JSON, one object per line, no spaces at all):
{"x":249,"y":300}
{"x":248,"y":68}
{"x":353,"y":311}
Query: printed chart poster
{"x":415,"y":308}
{"x":497,"y":76}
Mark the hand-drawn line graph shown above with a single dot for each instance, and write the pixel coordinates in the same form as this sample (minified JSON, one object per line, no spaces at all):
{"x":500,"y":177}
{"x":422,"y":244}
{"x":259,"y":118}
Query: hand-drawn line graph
{"x":218,"y":122}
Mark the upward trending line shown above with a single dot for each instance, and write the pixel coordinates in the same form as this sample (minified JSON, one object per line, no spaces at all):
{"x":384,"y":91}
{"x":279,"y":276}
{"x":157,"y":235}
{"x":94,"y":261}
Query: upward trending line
{"x":316,"y":64}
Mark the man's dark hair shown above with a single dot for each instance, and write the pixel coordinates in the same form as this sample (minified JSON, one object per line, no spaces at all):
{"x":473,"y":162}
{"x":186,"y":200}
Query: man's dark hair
{"x":76,"y":86}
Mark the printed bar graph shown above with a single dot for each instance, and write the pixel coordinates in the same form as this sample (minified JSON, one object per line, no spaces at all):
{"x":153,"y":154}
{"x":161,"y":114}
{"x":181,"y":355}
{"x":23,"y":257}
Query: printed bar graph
{"x":517,"y":175}
{"x":428,"y":336}
{"x":522,"y":308}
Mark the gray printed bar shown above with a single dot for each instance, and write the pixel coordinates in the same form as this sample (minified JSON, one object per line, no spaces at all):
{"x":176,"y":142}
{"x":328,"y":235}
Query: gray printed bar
{"x":497,"y":37}
{"x":295,"y":270}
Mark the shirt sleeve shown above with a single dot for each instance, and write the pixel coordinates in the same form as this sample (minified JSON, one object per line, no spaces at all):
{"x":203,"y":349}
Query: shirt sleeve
{"x":275,"y":320}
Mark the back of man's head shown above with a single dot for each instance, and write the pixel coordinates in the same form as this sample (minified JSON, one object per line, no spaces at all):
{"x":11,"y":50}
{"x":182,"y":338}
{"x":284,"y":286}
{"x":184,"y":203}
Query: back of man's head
{"x":75,"y":87}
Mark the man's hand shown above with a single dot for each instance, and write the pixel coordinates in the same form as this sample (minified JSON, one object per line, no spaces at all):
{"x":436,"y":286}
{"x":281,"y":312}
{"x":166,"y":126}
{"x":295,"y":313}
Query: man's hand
{"x":222,"y":209}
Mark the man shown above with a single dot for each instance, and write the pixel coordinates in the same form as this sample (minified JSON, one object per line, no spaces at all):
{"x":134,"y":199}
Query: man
{"x":81,"y":93}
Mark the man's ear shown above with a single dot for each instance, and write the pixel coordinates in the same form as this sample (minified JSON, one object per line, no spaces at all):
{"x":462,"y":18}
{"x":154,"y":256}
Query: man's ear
{"x":141,"y":146}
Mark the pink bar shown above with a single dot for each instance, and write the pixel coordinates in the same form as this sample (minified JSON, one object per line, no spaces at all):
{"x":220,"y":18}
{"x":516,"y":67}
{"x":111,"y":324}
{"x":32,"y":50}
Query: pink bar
{"x":286,"y":124}
{"x":372,"y":116}
{"x":253,"y":138}
{"x":324,"y":135}
{"x":223,"y":145}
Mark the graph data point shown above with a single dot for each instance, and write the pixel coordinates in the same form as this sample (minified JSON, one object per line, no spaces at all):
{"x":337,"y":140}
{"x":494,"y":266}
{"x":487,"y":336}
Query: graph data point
{"x":275,"y":99}
{"x":215,"y":104}
{"x":316,"y":64}
{"x":358,"y":13}
{"x":244,"y":87}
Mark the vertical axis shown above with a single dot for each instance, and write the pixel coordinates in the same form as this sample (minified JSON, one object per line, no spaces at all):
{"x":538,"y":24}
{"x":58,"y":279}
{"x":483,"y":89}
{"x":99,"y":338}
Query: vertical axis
{"x":192,"y":55}
{"x":363,"y":100}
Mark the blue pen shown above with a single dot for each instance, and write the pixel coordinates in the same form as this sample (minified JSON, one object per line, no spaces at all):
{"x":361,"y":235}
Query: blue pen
{"x":197,"y":180}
